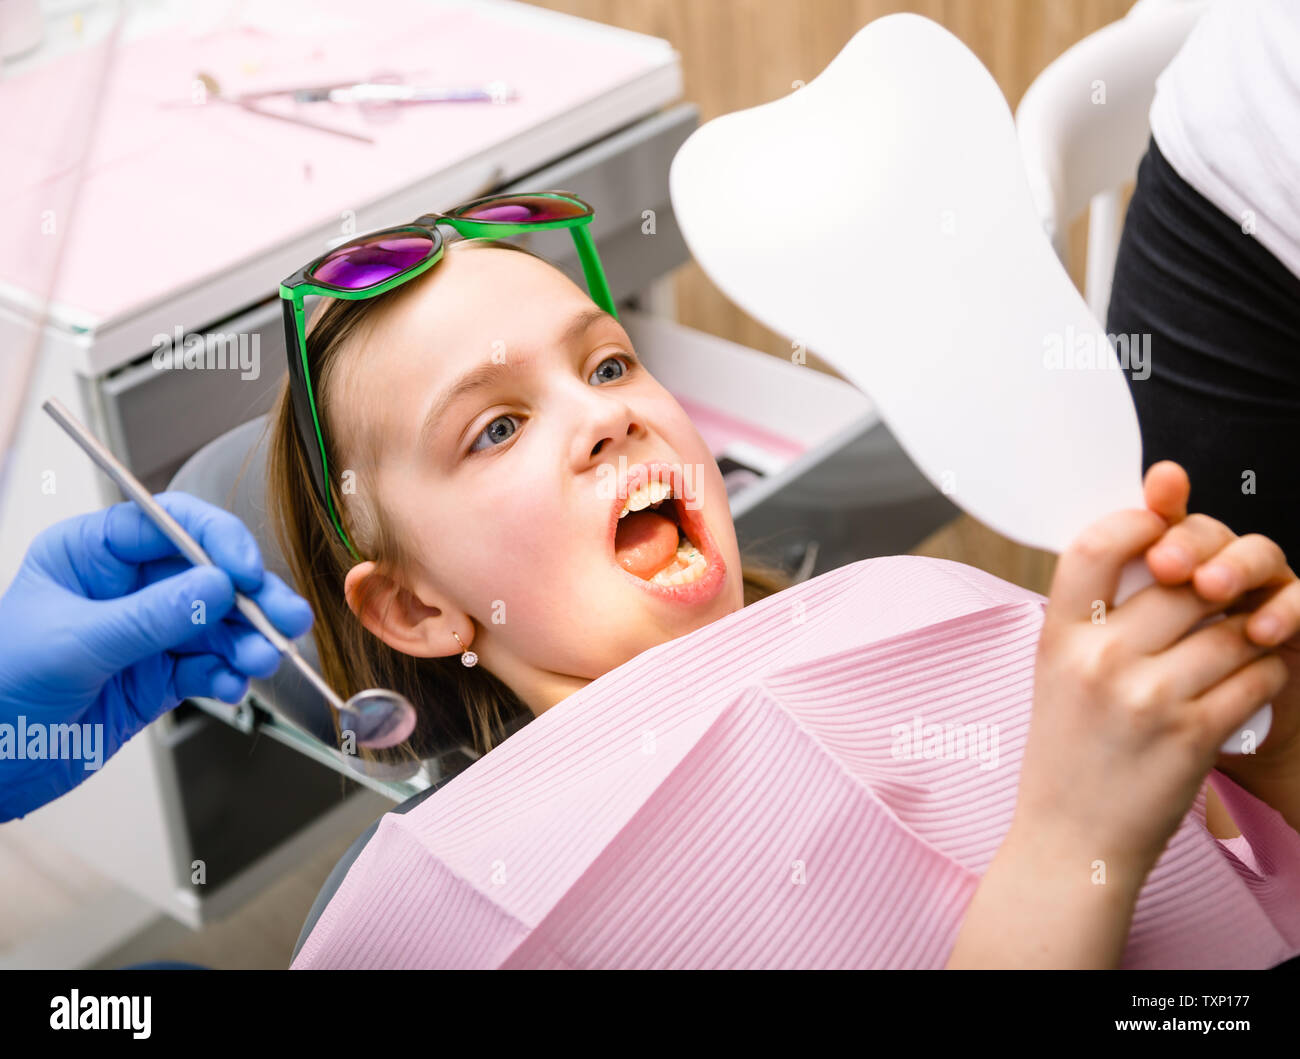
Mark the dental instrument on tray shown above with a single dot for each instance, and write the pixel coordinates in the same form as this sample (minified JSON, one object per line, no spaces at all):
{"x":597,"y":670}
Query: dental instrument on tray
{"x":213,"y":89}
{"x":376,"y":92}
{"x":378,"y":718}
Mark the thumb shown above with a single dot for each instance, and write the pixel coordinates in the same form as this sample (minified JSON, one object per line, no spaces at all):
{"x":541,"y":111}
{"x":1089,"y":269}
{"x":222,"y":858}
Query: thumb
{"x":1166,"y":489}
{"x":159,"y":616}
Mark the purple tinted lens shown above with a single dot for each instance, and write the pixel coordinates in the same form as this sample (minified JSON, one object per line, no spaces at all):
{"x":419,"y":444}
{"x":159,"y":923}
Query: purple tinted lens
{"x":523,"y":209}
{"x":371,"y":260}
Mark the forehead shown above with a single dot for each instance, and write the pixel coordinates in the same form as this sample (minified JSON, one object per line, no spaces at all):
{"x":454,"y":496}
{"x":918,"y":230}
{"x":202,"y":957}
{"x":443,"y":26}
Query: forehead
{"x":476,"y":302}
{"x":472,"y":301}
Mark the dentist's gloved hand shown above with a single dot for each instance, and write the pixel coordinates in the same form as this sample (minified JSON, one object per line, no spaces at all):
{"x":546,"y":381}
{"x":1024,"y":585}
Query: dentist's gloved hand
{"x":106,"y":624}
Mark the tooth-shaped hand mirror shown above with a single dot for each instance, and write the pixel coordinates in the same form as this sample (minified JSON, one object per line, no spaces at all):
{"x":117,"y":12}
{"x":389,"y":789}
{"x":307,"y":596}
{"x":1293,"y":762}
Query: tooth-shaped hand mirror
{"x":881,"y":216}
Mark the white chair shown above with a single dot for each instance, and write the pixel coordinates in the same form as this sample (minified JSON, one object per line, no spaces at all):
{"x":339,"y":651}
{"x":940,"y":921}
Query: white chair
{"x":1083,"y":128}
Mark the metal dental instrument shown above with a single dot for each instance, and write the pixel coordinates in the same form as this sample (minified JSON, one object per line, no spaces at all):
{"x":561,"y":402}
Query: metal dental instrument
{"x":378,"y":89}
{"x":213,"y":89}
{"x":377,"y":717}
{"x":384,"y":93}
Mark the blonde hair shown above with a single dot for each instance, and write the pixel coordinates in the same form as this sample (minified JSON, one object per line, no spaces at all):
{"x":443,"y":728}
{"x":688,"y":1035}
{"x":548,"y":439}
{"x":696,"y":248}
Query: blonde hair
{"x":455,"y":705}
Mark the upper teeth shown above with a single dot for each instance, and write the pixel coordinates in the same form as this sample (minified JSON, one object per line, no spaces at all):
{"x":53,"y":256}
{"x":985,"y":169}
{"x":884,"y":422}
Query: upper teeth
{"x":644,"y":496}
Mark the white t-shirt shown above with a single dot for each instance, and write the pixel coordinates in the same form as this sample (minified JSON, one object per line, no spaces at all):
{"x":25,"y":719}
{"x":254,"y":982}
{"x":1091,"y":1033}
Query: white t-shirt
{"x":1227,"y":116}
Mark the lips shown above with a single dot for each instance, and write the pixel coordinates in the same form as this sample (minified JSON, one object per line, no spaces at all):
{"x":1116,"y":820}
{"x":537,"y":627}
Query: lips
{"x":691,"y":520}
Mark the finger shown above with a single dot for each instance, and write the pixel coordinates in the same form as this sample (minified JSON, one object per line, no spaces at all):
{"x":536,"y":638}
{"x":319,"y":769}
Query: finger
{"x":133,"y":538}
{"x":1231,"y":703}
{"x":209,"y":637}
{"x":73,"y":553}
{"x":155,"y":570}
{"x":207,"y":676}
{"x":288,"y":611}
{"x":161,"y":616}
{"x":1198,"y":662}
{"x":1089,"y":568}
{"x":1277,"y":620}
{"x":1248,"y":562}
{"x":243,"y":647}
{"x":248,"y":652}
{"x":1166,"y":488}
{"x":1194,"y":540}
{"x":1159,"y":616}
{"x":226,"y":539}
{"x":216,"y":637}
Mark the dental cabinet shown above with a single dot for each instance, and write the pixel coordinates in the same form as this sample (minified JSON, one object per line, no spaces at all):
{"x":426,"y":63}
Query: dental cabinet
{"x":815,"y":478}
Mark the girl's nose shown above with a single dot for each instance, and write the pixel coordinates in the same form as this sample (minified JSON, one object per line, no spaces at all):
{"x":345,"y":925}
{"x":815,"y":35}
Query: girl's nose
{"x":605,"y":444}
{"x":608,"y":422}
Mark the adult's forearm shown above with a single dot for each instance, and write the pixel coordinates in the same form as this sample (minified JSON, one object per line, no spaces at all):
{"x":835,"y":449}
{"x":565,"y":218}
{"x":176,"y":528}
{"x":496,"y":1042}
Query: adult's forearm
{"x":1040,"y":906}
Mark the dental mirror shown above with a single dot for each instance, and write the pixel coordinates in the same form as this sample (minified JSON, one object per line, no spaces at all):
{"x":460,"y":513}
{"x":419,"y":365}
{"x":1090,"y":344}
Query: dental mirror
{"x":378,"y":718}
{"x":880,"y":216}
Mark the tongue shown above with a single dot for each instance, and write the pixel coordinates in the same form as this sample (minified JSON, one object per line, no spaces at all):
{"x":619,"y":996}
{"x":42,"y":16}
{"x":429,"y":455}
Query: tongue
{"x":644,"y":542}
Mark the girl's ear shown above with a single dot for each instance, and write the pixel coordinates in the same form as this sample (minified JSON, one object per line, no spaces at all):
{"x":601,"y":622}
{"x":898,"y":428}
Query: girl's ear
{"x":397,"y":616}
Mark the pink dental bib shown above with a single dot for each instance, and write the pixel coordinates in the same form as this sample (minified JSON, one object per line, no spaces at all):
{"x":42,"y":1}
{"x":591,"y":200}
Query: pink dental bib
{"x":815,"y":781}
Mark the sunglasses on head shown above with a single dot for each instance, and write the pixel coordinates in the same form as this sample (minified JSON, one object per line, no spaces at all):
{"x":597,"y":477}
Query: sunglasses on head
{"x":375,"y":263}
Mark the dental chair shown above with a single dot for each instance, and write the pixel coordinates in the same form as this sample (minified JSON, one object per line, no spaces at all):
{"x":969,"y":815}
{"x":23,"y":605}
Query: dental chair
{"x":1080,"y":150}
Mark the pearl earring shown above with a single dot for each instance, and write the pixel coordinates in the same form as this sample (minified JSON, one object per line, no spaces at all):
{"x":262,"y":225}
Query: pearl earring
{"x":467,"y":658}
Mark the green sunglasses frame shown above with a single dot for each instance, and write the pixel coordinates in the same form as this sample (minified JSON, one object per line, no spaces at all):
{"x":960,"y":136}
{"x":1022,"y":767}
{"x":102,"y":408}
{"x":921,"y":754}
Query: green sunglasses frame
{"x":300,"y":286}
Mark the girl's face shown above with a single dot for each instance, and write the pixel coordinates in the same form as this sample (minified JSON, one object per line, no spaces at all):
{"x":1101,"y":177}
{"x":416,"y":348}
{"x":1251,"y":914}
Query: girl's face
{"x":508,"y":422}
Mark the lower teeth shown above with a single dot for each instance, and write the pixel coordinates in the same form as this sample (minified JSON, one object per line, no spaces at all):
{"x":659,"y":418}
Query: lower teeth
{"x":685,"y":567}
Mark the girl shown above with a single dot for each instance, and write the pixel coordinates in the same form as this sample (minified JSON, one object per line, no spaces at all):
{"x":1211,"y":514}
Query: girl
{"x":521,"y":487}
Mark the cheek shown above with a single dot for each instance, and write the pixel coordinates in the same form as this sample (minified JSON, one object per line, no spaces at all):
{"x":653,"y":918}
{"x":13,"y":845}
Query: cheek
{"x":706,"y":476}
{"x":681,"y":433}
{"x":507,"y":555}
{"x":711,"y":492}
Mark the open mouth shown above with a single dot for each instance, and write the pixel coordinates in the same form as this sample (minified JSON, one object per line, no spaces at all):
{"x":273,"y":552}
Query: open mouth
{"x":659,"y":539}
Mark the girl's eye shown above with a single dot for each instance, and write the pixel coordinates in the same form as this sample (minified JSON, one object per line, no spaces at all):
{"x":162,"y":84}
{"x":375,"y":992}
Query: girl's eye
{"x":503,"y":427}
{"x":500,"y":429}
{"x":606,"y":377}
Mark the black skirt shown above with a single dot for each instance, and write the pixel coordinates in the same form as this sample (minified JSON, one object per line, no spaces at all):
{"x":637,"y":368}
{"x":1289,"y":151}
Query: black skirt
{"x":1222,"y":396}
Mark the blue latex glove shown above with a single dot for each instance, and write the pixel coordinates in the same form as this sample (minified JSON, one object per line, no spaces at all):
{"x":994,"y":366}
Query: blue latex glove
{"x":106,"y":624}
